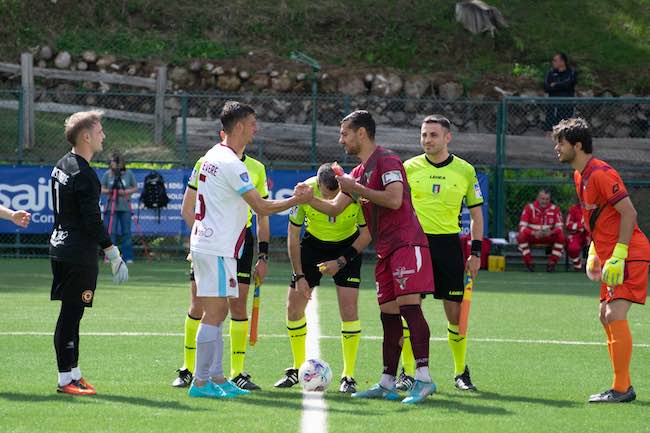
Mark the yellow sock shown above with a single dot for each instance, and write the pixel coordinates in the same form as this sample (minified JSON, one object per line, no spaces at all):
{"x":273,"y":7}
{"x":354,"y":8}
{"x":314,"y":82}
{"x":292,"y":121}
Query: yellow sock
{"x":408,"y":359}
{"x":297,"y":330}
{"x":458,"y":346}
{"x":350,"y":335}
{"x":238,"y":333}
{"x":189,"y":351}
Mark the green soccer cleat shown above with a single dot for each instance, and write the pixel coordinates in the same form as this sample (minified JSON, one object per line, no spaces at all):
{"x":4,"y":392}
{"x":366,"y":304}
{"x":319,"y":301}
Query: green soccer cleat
{"x":419,"y":392}
{"x":377,"y":391}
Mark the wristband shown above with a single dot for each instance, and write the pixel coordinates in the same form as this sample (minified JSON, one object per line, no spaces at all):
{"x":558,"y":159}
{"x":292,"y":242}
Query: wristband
{"x":263,"y":257}
{"x":263,"y":248}
{"x":297,"y":277}
{"x":349,"y":254}
{"x":477,"y":246}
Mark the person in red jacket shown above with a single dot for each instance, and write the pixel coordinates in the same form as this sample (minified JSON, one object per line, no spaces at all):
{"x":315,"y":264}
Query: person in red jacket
{"x":577,"y":235}
{"x":541,"y":224}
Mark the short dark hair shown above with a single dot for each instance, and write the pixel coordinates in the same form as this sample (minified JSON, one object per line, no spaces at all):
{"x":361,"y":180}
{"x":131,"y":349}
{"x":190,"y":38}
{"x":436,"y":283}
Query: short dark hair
{"x":574,"y":130}
{"x":563,"y":56}
{"x":327,"y":177}
{"x":118,"y":159}
{"x":361,"y":119}
{"x":233,"y":112}
{"x":439,"y":119}
{"x":544,"y":190}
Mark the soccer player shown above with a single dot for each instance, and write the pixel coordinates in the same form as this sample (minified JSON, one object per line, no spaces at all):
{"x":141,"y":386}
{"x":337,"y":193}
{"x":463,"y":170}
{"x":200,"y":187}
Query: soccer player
{"x":237,"y":306}
{"x":77,"y":231}
{"x":403,"y":270}
{"x":224,"y":189}
{"x":19,"y":217}
{"x":617,"y":243}
{"x":541,"y":224}
{"x":440,"y":182}
{"x":332,"y":246}
{"x":577,"y":238}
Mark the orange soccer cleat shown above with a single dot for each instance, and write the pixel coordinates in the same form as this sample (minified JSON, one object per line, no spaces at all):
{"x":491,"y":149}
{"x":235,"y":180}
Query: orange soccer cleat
{"x":76,"y":388}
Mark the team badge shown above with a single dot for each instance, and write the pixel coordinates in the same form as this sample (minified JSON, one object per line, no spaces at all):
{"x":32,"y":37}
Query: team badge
{"x":233,"y":283}
{"x":477,"y":191}
{"x":402,"y":274}
{"x":244,"y":177}
{"x":436,"y":188}
{"x":87,"y":296}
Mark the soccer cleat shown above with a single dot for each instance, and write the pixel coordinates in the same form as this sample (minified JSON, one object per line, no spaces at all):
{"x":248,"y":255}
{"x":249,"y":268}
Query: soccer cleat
{"x":530,"y":267}
{"x":404,"y":382}
{"x":209,"y":390}
{"x":75,"y":388}
{"x":348,"y":385}
{"x":613,"y":396}
{"x":230,"y":388}
{"x":377,"y":391}
{"x":183,"y":380}
{"x":83,"y":382}
{"x":550,"y":267}
{"x":290,"y":378}
{"x":243,"y":381}
{"x":419,"y":392}
{"x":464,"y":381}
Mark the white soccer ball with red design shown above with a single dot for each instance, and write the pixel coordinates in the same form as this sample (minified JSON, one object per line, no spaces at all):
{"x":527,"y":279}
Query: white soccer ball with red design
{"x":315,"y":375}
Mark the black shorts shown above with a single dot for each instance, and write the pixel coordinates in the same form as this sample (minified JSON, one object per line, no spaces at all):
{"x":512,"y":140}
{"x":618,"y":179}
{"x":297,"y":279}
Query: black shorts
{"x":448,"y":266}
{"x":244,"y":263}
{"x":314,"y":251}
{"x":73,"y":283}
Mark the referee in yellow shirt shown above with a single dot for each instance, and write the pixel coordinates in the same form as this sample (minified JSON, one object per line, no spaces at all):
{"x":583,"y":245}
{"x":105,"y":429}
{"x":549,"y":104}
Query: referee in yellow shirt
{"x":439,"y":183}
{"x":334,"y":243}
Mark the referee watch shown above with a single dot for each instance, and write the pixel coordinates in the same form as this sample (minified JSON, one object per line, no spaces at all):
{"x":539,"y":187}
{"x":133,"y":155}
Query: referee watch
{"x":475,"y":249}
{"x":296,"y":277}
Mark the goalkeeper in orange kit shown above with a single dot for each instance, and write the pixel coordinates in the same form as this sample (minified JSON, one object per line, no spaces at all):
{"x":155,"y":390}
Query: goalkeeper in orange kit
{"x":619,"y":253}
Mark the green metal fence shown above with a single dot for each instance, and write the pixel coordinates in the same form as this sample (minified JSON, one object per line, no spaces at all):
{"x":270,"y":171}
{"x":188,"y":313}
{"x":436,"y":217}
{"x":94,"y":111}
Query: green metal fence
{"x":506,"y":139}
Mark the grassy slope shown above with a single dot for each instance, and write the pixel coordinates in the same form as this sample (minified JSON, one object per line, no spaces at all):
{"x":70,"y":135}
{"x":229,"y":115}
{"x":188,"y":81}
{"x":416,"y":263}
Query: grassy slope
{"x":524,"y":387}
{"x":610,"y":40}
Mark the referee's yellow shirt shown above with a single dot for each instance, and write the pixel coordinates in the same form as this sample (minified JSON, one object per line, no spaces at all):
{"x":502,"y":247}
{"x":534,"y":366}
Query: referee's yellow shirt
{"x":438,"y":191}
{"x":324,"y":227}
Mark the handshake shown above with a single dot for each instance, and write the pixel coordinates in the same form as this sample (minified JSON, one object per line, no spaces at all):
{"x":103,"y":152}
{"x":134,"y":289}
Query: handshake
{"x":303,"y":193}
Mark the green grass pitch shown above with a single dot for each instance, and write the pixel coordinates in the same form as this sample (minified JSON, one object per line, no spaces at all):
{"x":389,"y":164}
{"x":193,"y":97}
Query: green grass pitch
{"x":535,"y":352}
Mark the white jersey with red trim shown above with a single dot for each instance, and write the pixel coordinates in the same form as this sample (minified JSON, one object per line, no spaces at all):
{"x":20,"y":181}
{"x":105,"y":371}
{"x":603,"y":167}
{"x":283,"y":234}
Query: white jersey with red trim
{"x":221,"y":212}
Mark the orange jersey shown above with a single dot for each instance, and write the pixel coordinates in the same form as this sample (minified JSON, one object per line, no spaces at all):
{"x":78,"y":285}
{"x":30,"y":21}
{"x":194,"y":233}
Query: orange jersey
{"x":599,"y":188}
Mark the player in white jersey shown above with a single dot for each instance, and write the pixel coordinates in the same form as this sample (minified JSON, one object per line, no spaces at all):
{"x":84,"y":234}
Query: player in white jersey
{"x":224,"y":190}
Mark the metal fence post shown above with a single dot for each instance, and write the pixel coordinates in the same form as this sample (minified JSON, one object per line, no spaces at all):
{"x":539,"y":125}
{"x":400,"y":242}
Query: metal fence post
{"x":159,"y":111}
{"x":314,"y":117}
{"x":185,"y":153}
{"x":500,"y":202}
{"x":27,"y":113}
{"x":21,"y":129}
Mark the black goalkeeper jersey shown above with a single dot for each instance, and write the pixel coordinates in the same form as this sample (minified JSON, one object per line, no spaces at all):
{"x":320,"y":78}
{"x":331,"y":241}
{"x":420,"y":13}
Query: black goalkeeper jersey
{"x":78,"y":227}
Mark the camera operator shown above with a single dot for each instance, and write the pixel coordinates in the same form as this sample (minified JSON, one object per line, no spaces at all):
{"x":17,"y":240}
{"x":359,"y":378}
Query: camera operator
{"x":118,"y":184}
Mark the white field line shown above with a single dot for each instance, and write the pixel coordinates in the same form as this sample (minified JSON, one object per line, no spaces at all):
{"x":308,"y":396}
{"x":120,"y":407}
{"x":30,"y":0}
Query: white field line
{"x":314,"y":410}
{"x":322,"y":337}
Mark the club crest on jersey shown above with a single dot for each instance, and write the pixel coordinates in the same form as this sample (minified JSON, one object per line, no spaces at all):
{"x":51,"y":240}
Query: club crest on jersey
{"x":58,"y":237}
{"x":244,"y":177}
{"x":436,"y":188}
{"x":391,"y":176}
{"x":402,"y":274}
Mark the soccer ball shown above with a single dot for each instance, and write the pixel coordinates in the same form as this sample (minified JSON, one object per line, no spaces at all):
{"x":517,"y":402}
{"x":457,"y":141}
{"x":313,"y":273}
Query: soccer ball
{"x":315,"y":375}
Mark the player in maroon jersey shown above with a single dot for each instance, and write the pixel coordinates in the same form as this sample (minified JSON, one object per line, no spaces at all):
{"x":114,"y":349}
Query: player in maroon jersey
{"x":403,"y":270}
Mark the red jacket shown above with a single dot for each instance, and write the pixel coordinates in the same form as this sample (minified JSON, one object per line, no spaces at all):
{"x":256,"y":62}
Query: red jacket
{"x":574,"y":220}
{"x":535,"y":217}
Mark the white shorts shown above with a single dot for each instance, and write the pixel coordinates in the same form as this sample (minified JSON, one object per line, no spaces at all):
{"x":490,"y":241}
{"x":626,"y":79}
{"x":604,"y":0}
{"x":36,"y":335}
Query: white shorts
{"x":215,"y":276}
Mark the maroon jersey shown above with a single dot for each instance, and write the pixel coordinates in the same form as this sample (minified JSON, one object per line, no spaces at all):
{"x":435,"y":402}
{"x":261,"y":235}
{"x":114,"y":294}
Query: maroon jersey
{"x":390,"y":229}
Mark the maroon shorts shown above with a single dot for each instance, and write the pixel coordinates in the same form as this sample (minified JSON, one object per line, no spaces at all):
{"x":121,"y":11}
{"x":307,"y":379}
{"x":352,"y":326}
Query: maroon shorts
{"x":406,"y":271}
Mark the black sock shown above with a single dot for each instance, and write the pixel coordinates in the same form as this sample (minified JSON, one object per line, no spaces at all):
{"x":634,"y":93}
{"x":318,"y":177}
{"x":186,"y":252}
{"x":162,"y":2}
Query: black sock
{"x":66,"y":335}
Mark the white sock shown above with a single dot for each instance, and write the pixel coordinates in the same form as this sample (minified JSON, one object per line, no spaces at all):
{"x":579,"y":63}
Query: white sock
{"x":387,"y":381}
{"x":422,"y":374}
{"x":65,"y":378}
{"x":76,"y":373}
{"x":206,"y":348}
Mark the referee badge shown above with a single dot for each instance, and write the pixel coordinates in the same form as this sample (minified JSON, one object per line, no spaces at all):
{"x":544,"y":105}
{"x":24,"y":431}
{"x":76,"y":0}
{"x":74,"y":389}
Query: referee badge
{"x":87,"y":296}
{"x":436,"y":188}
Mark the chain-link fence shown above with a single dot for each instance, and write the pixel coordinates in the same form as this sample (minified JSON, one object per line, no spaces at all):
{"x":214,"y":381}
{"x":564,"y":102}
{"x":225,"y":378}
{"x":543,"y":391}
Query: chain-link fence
{"x":507,"y":140}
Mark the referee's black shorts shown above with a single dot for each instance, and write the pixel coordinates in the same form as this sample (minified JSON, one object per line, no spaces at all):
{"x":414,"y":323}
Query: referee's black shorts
{"x":244,"y":263}
{"x":448,"y":266}
{"x":73,"y":283}
{"x":314,"y":251}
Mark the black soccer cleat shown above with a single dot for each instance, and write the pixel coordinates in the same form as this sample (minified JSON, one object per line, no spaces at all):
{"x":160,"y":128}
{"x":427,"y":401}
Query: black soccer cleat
{"x":243,"y":381}
{"x":183,"y":380}
{"x":464,"y":381}
{"x":613,"y":396}
{"x":348,"y":385}
{"x":404,"y":382}
{"x":289,"y":379}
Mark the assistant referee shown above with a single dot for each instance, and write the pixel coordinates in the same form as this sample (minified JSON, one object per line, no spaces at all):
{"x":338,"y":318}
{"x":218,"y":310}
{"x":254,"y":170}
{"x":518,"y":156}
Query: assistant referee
{"x":439,"y":182}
